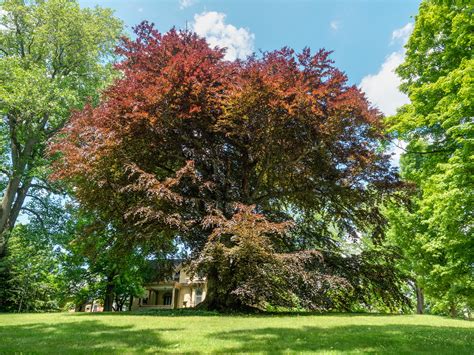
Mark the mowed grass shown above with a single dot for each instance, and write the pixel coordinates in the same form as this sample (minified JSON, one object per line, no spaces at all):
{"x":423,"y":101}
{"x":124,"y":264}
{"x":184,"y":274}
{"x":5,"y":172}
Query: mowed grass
{"x":201,"y":333}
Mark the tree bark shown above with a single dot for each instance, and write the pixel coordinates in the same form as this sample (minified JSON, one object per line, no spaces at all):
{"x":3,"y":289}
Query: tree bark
{"x":18,"y":204}
{"x":452,"y":310}
{"x":5,"y":209}
{"x":109,"y":294}
{"x":17,"y":187}
{"x":220,"y":301}
{"x":19,"y":179}
{"x":11,"y":205}
{"x":212,"y":301}
{"x":420,"y":299}
{"x":80,"y":307}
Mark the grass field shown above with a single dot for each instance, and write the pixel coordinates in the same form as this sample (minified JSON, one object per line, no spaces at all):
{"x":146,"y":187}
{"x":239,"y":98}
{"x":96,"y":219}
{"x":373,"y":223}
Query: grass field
{"x":201,"y":333}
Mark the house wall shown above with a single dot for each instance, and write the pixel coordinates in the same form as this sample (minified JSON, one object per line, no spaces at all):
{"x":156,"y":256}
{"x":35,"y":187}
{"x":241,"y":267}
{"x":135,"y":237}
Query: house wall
{"x":185,"y":295}
{"x":135,"y":303}
{"x":94,"y":307}
{"x":183,"y":277}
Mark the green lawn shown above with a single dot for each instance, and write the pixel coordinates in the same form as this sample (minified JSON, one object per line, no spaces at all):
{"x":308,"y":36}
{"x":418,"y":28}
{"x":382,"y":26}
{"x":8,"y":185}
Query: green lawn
{"x":189,"y":333}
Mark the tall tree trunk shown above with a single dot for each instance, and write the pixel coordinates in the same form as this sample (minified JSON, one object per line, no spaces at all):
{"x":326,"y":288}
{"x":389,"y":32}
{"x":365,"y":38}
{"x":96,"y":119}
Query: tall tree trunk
{"x":11,"y":205}
{"x":212,"y":300}
{"x":452,"y":310}
{"x":18,"y":204}
{"x":219,"y":301}
{"x":5,"y":209}
{"x":18,"y":184}
{"x":109,"y":294}
{"x":420,"y":299}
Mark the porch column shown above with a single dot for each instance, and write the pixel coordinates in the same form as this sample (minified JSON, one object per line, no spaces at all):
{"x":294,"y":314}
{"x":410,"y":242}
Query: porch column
{"x":172,"y":298}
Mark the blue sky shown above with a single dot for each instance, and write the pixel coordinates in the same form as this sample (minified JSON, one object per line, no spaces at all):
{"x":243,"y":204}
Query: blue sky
{"x":358,"y":31}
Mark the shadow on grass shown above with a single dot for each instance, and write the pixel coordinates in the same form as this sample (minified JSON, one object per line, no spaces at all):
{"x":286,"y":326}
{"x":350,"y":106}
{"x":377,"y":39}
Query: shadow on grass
{"x":401,"y":339}
{"x":86,"y":336}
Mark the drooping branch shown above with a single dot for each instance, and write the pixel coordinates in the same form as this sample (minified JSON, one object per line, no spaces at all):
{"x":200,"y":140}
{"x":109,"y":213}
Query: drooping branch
{"x":37,"y":216}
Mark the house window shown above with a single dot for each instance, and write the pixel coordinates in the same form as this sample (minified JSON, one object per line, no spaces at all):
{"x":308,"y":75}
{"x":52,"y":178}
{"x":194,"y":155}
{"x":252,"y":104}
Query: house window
{"x":198,"y":295}
{"x":167,"y":299}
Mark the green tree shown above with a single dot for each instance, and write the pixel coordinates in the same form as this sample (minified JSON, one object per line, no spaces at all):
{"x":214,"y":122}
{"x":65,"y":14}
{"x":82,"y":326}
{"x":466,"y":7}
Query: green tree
{"x":33,"y":282}
{"x":53,"y":58}
{"x":33,"y":277}
{"x":64,"y":256}
{"x":99,"y":267}
{"x":436,"y":231}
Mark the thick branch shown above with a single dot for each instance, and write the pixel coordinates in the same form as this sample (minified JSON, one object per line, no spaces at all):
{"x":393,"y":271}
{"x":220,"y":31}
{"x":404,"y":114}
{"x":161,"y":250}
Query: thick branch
{"x":39,"y":200}
{"x":19,"y":200}
{"x":434,"y":151}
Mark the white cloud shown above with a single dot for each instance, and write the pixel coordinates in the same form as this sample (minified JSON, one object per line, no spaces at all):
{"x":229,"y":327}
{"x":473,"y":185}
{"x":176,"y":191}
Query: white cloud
{"x":140,"y":9}
{"x":403,"y":33}
{"x":239,"y":42}
{"x":2,"y":13}
{"x":335,"y":25}
{"x":381,"y":88}
{"x":183,"y":4}
{"x":397,"y":149}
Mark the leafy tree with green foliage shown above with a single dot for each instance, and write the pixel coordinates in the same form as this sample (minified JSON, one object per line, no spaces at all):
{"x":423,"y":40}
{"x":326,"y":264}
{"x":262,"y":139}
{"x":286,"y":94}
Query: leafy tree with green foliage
{"x":100,"y":268}
{"x":33,"y":277}
{"x":62,"y":257}
{"x":53,"y":59}
{"x":33,"y":282}
{"x":436,"y":231}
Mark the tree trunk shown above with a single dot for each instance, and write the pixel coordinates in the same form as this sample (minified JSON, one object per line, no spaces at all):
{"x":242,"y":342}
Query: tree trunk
{"x":130,"y":303}
{"x":18,"y":184}
{"x":218,"y":299}
{"x":18,"y":204}
{"x":109,"y":294}
{"x":212,"y":301}
{"x":5,"y":209}
{"x":119,"y":303}
{"x":452,"y":310}
{"x":80,"y":307}
{"x":420,"y":299}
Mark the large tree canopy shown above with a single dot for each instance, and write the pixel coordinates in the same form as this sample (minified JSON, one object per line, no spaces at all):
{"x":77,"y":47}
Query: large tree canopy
{"x":436,"y":233}
{"x":184,"y":135}
{"x":53,"y":58}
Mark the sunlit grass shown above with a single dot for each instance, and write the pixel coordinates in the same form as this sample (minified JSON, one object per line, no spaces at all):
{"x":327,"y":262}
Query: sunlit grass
{"x":204,"y":333}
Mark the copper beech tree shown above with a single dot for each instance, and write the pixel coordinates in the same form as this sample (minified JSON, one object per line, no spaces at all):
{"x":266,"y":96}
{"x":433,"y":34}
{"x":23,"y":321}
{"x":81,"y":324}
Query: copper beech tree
{"x":185,"y":135}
